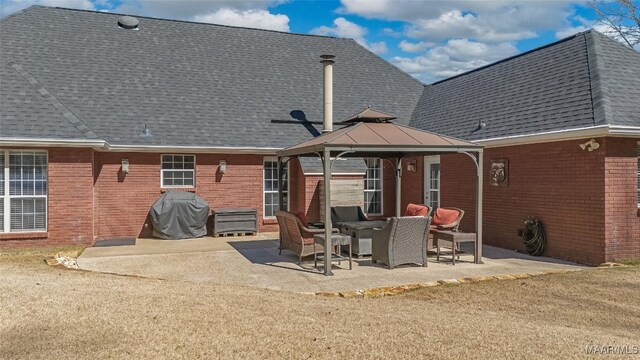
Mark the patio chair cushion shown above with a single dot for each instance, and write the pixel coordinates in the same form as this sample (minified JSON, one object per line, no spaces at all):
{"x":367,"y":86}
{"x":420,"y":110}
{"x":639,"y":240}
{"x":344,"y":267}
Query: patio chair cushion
{"x":303,"y":218}
{"x":445,"y":216}
{"x":416,"y":210}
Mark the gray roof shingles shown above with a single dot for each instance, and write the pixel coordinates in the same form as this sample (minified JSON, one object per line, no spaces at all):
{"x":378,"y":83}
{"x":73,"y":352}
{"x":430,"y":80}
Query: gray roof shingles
{"x":73,"y":74}
{"x":543,"y":90}
{"x":615,"y":81}
{"x":546,"y":89}
{"x":194,"y":84}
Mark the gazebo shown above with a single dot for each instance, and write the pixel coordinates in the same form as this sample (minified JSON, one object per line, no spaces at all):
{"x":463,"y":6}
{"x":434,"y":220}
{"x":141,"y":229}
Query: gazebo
{"x":371,"y":133}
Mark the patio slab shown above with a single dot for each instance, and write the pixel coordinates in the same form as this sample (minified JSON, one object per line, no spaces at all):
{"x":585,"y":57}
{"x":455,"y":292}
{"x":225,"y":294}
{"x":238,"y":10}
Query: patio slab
{"x":254,"y":261}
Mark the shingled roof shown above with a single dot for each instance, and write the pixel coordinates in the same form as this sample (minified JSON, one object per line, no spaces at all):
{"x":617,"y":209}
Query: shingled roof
{"x":582,"y":81}
{"x":71,"y":74}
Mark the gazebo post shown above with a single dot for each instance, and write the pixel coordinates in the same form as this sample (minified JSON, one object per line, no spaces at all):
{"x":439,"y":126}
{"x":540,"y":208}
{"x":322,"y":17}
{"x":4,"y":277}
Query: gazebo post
{"x":398,"y":186}
{"x":479,"y":208}
{"x":328,"y":227}
{"x":280,"y":172}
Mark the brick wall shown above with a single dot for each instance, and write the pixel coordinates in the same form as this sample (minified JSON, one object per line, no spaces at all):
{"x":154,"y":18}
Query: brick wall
{"x":123,"y":200}
{"x":560,"y":184}
{"x":70,"y":202}
{"x":622,"y":215}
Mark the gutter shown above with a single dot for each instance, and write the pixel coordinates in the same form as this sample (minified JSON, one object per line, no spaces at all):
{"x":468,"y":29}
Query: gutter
{"x":560,"y":135}
{"x":102,"y":145}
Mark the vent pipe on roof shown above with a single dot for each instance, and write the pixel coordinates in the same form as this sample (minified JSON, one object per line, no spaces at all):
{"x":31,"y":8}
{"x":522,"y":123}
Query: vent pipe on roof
{"x":327,"y":94}
{"x":128,"y":22}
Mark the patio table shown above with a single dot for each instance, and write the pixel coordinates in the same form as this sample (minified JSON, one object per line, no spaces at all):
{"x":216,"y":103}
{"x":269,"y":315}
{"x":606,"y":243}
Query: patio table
{"x":361,"y":233}
{"x":337,"y":241}
{"x":455,"y":238}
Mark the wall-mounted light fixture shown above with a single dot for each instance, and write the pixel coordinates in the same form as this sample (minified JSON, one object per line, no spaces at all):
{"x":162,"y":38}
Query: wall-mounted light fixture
{"x":590,"y":145}
{"x":125,"y":166}
{"x":222,"y":167}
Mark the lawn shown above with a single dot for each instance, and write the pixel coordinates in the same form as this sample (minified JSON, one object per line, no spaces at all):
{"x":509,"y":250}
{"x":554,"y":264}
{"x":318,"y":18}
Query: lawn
{"x":49,"y":313}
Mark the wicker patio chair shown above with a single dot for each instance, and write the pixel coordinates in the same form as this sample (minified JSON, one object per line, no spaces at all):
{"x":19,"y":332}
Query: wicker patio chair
{"x":437,"y":224}
{"x":297,"y":237}
{"x":402,"y":241}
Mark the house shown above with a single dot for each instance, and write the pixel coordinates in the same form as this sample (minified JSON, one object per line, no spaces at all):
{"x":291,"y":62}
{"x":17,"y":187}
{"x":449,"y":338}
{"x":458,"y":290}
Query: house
{"x":100,"y":114}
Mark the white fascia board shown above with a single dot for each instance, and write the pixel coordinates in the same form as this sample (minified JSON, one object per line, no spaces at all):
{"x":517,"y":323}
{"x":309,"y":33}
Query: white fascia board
{"x":44,"y":142}
{"x":560,"y":135}
{"x":102,"y":145}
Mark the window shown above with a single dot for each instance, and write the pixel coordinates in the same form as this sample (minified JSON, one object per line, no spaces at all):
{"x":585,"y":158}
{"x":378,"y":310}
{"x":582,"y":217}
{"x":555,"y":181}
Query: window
{"x":178,"y":171}
{"x":23,"y":191}
{"x":373,"y":187}
{"x":270,"y":177}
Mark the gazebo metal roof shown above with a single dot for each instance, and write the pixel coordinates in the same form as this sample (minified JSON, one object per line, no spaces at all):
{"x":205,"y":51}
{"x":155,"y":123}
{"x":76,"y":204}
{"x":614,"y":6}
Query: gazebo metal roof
{"x":370,"y":114}
{"x":367,"y":138}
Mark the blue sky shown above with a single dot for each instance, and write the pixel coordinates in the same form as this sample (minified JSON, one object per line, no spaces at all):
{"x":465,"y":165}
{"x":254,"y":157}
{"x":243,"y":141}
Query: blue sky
{"x":431,"y":40}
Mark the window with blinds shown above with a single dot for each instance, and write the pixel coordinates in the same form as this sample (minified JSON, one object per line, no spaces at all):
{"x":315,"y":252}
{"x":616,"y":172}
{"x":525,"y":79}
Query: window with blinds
{"x":23,"y":191}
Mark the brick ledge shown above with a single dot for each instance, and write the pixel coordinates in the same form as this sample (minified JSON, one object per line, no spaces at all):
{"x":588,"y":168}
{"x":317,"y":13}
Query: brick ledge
{"x":24,"y":235}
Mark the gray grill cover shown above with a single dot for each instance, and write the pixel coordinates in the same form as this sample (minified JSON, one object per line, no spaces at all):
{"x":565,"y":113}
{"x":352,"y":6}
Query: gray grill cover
{"x":179,"y":215}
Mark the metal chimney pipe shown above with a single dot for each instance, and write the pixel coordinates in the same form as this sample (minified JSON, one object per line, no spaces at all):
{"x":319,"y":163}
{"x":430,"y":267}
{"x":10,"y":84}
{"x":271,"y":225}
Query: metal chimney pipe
{"x":327,"y":94}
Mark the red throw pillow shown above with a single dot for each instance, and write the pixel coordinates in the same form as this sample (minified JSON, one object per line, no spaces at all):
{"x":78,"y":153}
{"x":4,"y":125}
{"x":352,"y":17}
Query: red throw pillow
{"x":416,"y":210}
{"x":302,"y":217}
{"x":444,"y":217}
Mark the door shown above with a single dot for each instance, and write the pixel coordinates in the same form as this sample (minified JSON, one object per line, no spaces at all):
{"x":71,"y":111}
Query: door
{"x":432,"y":181}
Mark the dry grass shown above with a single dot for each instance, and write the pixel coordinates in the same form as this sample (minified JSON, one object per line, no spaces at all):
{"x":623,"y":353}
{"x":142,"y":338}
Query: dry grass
{"x":49,"y":313}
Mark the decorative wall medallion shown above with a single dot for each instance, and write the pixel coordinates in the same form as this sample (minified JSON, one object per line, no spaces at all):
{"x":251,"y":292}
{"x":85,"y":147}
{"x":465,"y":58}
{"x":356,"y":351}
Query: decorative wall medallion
{"x":411,"y":165}
{"x":500,"y":172}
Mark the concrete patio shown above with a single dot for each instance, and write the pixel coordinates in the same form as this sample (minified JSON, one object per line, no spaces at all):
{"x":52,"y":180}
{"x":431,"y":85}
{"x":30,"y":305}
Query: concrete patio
{"x":254,"y":261}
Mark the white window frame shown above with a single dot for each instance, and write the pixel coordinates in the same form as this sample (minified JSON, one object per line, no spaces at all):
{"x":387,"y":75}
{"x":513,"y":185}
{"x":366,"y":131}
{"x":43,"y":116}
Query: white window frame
{"x":264,"y":191}
{"x":428,"y":161}
{"x":162,"y":185}
{"x":7,"y":192}
{"x":381,"y":162}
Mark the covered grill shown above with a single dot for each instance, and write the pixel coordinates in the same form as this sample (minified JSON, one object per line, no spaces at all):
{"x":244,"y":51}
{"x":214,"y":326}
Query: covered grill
{"x":179,"y":215}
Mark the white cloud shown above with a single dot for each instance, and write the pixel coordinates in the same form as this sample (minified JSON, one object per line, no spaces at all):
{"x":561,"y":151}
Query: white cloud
{"x":347,"y":29}
{"x":189,"y":9}
{"x":453,"y":58}
{"x":260,"y":19}
{"x":407,"y":46}
{"x":486,"y":21}
{"x":342,"y":28}
{"x":10,"y":6}
{"x":378,"y":47}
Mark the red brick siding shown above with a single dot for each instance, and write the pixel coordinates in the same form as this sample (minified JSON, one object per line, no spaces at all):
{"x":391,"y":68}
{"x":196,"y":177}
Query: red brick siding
{"x":563,"y":186}
{"x":70,"y":202}
{"x":622,"y":221}
{"x":123,"y":201}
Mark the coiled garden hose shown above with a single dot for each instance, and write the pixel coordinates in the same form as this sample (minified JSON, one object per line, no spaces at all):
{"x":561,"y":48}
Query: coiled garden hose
{"x":533,"y":236}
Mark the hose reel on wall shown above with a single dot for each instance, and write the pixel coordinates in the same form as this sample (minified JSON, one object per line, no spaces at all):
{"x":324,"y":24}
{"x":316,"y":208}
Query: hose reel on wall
{"x":534,"y":236}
